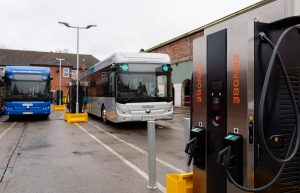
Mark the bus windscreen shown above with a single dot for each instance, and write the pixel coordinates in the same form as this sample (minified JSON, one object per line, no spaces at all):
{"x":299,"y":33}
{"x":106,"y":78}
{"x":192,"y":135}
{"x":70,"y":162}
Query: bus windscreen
{"x":143,"y":87}
{"x":31,"y":90}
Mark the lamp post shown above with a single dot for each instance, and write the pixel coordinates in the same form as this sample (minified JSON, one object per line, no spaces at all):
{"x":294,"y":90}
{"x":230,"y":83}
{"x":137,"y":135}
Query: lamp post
{"x":60,"y":59}
{"x":77,"y":66}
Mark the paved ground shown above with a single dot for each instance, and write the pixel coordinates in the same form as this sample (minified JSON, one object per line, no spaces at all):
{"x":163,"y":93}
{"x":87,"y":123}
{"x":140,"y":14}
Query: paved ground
{"x":51,"y":156}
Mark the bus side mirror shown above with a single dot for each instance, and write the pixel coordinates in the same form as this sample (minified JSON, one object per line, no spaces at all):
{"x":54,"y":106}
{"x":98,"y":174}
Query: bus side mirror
{"x":51,"y":78}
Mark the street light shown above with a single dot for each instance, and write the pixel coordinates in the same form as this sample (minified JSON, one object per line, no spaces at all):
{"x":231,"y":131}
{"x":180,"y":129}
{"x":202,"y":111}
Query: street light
{"x":77,"y":28}
{"x":60,"y":59}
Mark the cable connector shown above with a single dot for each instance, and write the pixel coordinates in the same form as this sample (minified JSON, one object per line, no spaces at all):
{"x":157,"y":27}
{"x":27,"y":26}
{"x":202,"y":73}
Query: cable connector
{"x":262,"y":35}
{"x":224,"y":157}
{"x":190,"y":149}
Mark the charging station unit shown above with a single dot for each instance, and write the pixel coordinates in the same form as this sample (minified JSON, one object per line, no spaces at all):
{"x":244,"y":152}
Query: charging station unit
{"x":245,"y":100}
{"x":58,"y":96}
{"x":72,"y":98}
{"x":59,"y":105}
{"x":70,"y":114}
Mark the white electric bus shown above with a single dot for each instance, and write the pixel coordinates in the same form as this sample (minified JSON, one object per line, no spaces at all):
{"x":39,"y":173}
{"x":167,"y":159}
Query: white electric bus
{"x":129,"y":87}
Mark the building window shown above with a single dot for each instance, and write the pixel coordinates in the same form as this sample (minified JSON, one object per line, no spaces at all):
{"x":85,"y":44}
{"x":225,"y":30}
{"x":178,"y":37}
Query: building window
{"x":66,"y":72}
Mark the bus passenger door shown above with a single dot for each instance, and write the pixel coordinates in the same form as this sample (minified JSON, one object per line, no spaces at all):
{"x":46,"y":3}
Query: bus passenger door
{"x":93,"y":97}
{"x":110,"y":100}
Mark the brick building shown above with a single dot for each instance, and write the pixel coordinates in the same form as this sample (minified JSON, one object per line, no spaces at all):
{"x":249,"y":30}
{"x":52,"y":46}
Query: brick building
{"x":180,"y":50}
{"x":48,"y":59}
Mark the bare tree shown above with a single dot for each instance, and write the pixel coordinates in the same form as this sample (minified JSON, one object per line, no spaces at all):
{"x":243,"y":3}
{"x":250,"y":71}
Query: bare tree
{"x":65,"y":50}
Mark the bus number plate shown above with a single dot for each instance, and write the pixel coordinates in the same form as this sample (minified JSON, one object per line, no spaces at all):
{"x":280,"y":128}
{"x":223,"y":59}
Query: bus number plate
{"x":148,"y":118}
{"x":27,"y":113}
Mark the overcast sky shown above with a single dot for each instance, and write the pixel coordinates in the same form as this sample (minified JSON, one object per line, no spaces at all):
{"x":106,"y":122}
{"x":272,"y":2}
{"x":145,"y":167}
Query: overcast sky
{"x":123,"y":25}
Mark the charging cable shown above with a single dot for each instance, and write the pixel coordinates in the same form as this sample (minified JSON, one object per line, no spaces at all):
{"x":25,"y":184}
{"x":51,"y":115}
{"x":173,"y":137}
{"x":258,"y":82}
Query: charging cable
{"x":290,"y":154}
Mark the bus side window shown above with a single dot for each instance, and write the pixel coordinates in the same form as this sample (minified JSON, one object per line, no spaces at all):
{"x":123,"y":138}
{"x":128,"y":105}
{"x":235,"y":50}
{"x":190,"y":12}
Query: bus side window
{"x":111,"y":84}
{"x":92,"y":88}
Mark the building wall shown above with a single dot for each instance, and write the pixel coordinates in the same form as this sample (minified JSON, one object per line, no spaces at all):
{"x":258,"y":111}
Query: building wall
{"x":181,"y":73}
{"x":54,"y":71}
{"x":180,"y":50}
{"x":181,"y":54}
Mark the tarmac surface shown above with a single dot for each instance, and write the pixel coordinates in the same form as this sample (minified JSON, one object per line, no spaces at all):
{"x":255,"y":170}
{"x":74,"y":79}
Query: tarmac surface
{"x":51,"y":156}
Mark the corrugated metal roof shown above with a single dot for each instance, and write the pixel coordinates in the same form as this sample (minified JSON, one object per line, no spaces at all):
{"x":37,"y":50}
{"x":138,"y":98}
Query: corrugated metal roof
{"x":247,"y":9}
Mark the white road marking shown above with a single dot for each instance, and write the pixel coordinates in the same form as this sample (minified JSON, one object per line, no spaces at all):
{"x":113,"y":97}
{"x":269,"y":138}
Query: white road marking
{"x":138,"y":149}
{"x":6,"y":130}
{"x":130,"y":164}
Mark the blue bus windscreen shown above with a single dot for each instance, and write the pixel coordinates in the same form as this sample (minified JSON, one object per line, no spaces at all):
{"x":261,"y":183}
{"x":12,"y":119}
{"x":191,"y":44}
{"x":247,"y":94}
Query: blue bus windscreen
{"x":27,"y":90}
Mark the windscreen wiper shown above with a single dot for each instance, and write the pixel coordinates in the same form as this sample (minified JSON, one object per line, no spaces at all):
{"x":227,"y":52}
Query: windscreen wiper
{"x":128,"y":98}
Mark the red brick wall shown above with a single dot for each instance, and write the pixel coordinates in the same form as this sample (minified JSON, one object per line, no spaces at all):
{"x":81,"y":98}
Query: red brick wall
{"x":180,"y":50}
{"x":54,"y":71}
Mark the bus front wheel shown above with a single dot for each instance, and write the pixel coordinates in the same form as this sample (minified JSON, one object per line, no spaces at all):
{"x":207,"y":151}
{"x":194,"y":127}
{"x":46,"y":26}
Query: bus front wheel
{"x":104,"y":114}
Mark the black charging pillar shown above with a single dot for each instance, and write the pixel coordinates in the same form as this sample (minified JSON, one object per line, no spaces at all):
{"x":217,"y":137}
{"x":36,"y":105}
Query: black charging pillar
{"x":72,"y":95}
{"x":59,"y":96}
{"x":216,"y":108}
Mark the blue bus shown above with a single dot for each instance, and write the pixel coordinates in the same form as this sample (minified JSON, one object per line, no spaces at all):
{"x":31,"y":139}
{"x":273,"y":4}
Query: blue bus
{"x":27,"y":90}
{"x":1,"y":92}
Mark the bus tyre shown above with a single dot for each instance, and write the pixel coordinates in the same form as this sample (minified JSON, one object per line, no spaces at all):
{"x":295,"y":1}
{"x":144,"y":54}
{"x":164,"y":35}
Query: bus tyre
{"x":103,"y":115}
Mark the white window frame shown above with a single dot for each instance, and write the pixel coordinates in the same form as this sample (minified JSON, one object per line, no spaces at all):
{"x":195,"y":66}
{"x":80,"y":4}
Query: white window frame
{"x":66,"y":72}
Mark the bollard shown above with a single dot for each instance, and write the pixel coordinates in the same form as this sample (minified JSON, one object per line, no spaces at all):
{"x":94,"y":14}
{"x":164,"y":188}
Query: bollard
{"x":187,"y":125}
{"x":151,"y":155}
